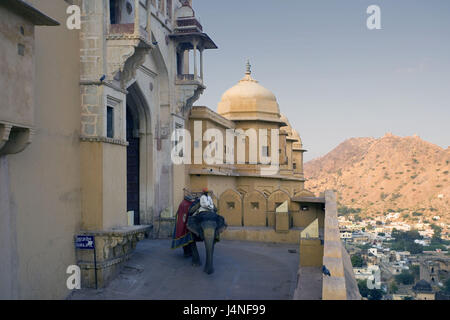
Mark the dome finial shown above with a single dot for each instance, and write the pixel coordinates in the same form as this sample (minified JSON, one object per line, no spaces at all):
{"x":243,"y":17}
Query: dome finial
{"x":248,"y":68}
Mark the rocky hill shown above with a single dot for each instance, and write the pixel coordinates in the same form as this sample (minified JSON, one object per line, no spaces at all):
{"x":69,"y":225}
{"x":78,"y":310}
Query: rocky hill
{"x":404,"y":174}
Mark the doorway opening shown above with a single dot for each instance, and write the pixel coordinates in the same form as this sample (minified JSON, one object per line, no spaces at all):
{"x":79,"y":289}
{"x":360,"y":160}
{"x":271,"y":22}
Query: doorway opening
{"x":133,"y":165}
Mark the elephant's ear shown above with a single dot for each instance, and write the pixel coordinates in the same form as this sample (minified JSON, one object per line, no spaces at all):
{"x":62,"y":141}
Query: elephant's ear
{"x":194,"y":226}
{"x":221,"y":224}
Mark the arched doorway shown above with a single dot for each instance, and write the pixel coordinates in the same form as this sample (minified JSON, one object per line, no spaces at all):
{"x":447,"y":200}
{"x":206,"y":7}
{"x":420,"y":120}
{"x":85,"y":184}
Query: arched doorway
{"x":133,"y":164}
{"x":140,"y":162}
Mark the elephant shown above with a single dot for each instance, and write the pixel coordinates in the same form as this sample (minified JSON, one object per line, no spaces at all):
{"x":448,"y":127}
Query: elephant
{"x":206,"y":227}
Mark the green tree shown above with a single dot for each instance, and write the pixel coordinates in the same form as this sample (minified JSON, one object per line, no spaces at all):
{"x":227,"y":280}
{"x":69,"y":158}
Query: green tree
{"x":405,"y":278}
{"x":414,"y":248}
{"x":375,"y":294}
{"x":393,"y":287}
{"x":447,"y":286}
{"x":357,"y":261}
{"x":370,"y":294}
{"x":415,"y":270}
{"x":436,"y":239}
{"x":363,"y":290}
{"x":405,"y":241}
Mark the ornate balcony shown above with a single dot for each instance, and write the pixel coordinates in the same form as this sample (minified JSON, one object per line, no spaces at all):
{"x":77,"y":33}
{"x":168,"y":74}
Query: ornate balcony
{"x":128,"y":36}
{"x":189,"y":36}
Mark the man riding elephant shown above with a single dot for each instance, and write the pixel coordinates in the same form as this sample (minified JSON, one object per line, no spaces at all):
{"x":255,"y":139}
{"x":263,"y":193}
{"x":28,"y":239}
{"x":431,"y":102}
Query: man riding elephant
{"x":206,"y":202}
{"x":205,"y":225}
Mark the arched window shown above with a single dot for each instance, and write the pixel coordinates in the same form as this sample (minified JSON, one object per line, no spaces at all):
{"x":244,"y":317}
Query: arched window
{"x":121,"y":11}
{"x":114,"y":11}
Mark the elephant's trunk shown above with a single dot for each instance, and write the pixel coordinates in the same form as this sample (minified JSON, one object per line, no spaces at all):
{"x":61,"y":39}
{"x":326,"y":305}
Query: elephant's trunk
{"x":209,"y":233}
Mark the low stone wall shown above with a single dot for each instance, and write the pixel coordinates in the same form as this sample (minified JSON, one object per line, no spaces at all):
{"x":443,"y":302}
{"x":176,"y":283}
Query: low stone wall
{"x":163,"y":228}
{"x":311,"y":253}
{"x":261,"y":234}
{"x":341,"y":283}
{"x":255,"y":209}
{"x":112,"y":248}
{"x":333,"y":286}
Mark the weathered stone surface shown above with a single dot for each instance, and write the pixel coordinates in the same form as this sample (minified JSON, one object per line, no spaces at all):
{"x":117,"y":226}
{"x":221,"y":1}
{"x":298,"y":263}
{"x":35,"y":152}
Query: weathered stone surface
{"x":334,"y":265}
{"x":261,"y":234}
{"x":243,"y":270}
{"x":113,"y":248}
{"x":332,"y":288}
{"x":333,"y":249}
{"x":312,"y":231}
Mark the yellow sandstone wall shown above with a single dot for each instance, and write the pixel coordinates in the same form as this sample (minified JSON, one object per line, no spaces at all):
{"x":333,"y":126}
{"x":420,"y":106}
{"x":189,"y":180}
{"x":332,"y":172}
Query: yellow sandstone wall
{"x":103,"y":182}
{"x":45,"y":182}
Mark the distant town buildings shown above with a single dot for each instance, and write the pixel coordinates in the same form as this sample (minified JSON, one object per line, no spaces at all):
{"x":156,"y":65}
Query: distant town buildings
{"x":429,"y":269}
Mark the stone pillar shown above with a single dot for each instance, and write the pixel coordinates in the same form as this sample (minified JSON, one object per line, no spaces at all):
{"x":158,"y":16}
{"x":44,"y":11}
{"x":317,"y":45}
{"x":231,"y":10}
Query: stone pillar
{"x":201,"y":64}
{"x":186,"y":62}
{"x":195,"y":61}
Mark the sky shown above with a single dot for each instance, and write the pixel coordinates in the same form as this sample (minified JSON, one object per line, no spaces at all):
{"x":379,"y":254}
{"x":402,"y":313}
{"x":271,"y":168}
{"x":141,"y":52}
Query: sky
{"x":333,"y":77}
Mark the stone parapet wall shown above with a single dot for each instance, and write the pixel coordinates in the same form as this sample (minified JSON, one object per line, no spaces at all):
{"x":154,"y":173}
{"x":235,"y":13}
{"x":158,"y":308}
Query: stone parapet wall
{"x":341,"y":283}
{"x":112,"y":248}
{"x":257,"y":209}
{"x":261,"y":234}
{"x":333,"y":286}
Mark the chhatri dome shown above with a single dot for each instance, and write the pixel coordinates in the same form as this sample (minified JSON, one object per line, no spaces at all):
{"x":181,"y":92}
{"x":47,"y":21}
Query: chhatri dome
{"x":292,"y":134}
{"x":248,"y":100}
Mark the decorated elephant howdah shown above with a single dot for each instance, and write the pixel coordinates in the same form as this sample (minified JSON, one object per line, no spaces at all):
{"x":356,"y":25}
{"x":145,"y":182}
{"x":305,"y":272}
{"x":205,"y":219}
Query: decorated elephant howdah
{"x":194,"y":225}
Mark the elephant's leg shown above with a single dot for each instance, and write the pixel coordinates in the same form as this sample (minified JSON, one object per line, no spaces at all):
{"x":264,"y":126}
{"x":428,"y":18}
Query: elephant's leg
{"x":195,"y":256}
{"x":187,"y":250}
{"x":209,"y":231}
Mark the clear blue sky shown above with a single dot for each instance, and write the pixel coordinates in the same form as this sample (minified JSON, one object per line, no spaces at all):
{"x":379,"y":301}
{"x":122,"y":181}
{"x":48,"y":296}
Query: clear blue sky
{"x":333,"y":78}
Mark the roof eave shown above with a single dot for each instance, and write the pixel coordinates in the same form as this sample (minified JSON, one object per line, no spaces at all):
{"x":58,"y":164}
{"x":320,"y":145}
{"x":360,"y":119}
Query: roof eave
{"x":26,"y":10}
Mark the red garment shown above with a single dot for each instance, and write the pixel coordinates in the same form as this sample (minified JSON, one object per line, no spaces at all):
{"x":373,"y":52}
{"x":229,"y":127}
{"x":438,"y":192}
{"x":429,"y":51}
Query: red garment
{"x":182,"y":235}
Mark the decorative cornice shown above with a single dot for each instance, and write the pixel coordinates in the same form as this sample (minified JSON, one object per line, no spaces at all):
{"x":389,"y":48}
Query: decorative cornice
{"x":104,"y":140}
{"x":147,"y":71}
{"x":103,"y":83}
{"x":202,"y":112}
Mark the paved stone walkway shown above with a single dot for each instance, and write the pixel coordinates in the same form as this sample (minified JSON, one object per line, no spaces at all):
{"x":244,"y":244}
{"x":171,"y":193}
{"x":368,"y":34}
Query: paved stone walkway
{"x":243,"y":270}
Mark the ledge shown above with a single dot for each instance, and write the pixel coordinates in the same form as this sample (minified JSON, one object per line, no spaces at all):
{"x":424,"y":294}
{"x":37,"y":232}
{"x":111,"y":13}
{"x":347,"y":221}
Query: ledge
{"x":334,"y":285}
{"x":103,"y":83}
{"x":119,"y":231}
{"x":261,"y":234}
{"x":112,"y":248}
{"x":14,"y":138}
{"x":26,"y":10}
{"x":340,"y":284}
{"x":119,"y":142}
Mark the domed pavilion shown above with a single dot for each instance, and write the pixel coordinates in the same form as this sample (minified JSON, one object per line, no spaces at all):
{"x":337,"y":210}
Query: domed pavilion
{"x":246,"y":195}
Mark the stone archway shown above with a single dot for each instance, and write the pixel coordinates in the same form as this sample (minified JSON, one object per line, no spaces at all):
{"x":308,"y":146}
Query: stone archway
{"x":140,"y":185}
{"x":230,"y":207}
{"x":275,"y":199}
{"x":255,"y":209}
